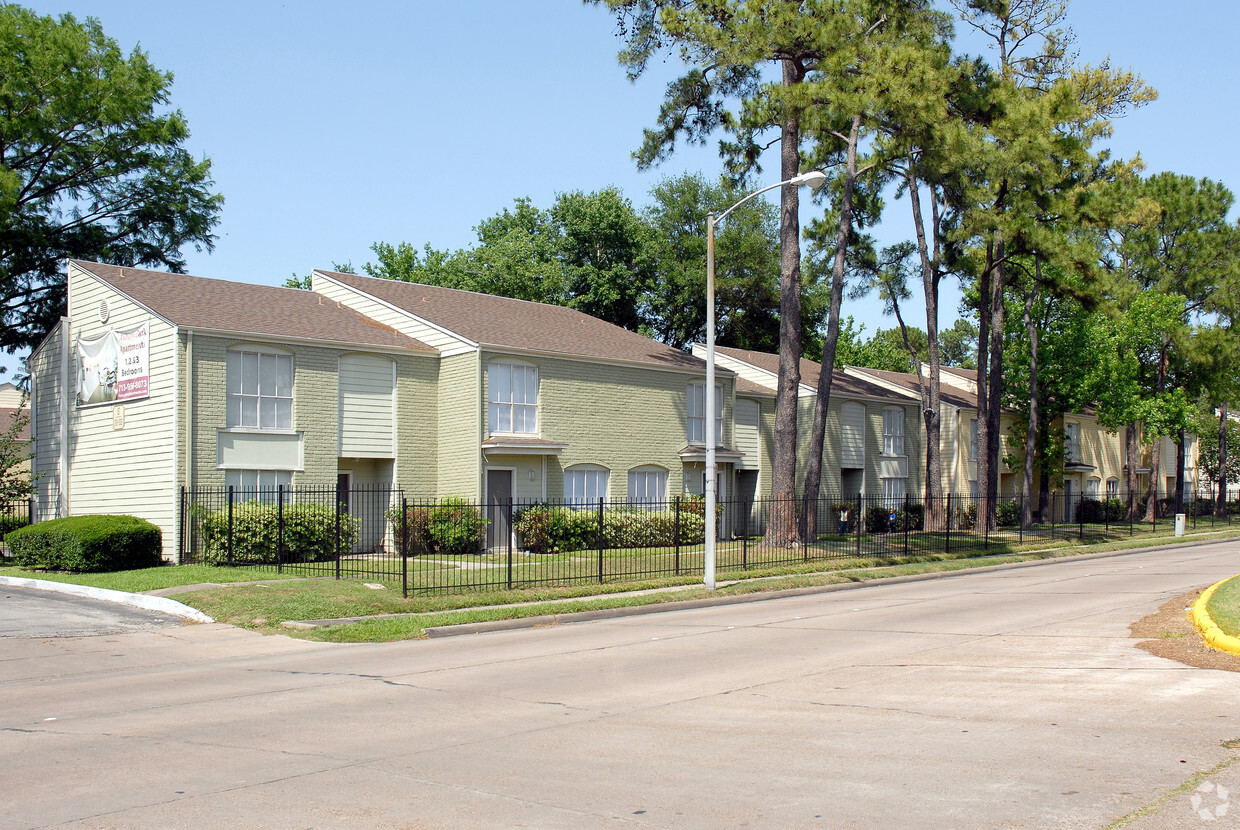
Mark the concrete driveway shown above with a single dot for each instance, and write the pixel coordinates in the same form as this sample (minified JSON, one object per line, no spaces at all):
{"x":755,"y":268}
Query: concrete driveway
{"x":1005,"y":699}
{"x":29,"y":612}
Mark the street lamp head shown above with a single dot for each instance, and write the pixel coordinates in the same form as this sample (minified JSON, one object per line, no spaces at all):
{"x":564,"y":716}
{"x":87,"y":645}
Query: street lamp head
{"x":813,"y":178}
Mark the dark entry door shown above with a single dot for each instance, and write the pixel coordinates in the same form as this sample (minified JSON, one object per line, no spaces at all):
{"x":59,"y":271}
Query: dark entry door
{"x":499,"y":493}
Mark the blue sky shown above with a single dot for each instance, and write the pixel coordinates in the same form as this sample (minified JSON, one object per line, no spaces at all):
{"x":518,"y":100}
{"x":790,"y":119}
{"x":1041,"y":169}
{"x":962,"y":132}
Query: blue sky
{"x":332,"y":125}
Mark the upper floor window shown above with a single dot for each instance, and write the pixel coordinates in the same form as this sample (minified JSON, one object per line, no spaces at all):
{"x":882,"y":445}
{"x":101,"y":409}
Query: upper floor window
{"x":697,"y":414}
{"x":1072,"y":442}
{"x":893,"y":431}
{"x":260,"y":390}
{"x":585,"y":484}
{"x":648,"y":485}
{"x":512,"y":392}
{"x":973,"y":439}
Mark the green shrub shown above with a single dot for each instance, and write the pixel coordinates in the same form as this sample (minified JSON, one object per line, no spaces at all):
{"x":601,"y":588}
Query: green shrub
{"x":454,"y":527}
{"x":966,"y":517}
{"x":878,"y":519}
{"x":547,"y":529}
{"x":309,"y":533}
{"x":914,"y":516}
{"x":562,"y":529}
{"x":87,"y":544}
{"x":1007,"y":513}
{"x":10,"y":523}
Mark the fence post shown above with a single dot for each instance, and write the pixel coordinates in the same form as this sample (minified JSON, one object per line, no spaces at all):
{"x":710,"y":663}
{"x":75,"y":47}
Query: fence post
{"x":279,"y":528}
{"x":907,"y":522}
{"x":230,"y":525}
{"x":947,"y":538}
{"x":404,"y":547}
{"x":1106,"y":518}
{"x":859,"y":521}
{"x":677,"y":526}
{"x":180,"y":526}
{"x":1021,"y":524}
{"x":1080,"y":518}
{"x":337,"y":514}
{"x":985,"y":520}
{"x":1052,"y":518}
{"x":600,"y":540}
{"x":509,"y":524}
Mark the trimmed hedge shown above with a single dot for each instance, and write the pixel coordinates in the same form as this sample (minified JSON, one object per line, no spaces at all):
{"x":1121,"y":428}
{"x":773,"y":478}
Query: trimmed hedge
{"x":10,"y":523}
{"x":562,"y":529}
{"x":454,"y":527}
{"x":309,"y":534}
{"x":87,"y":544}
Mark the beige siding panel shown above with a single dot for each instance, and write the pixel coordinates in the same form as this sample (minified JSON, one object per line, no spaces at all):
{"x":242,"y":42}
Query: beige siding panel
{"x":47,"y":395}
{"x":748,"y":426}
{"x":460,"y":427}
{"x":402,"y":321}
{"x":852,"y":435}
{"x":367,"y":383}
{"x":123,"y":454}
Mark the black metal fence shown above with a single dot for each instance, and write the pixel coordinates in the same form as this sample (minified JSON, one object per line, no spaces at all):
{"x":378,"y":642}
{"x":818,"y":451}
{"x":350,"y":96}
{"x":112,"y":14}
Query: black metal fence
{"x":452,"y":545}
{"x":15,"y":514}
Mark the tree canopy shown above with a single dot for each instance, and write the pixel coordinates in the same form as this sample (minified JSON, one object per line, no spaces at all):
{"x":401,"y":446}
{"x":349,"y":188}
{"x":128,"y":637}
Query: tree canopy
{"x":92,"y":166}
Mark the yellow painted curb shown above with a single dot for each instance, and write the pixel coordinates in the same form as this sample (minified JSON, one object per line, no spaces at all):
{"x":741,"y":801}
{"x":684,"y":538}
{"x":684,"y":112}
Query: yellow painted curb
{"x":1213,"y":636}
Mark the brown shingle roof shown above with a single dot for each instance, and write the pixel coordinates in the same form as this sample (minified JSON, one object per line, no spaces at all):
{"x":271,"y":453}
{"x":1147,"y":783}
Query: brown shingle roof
{"x":748,"y":387}
{"x":947,"y":394}
{"x":198,"y":302}
{"x":7,"y":415}
{"x":519,"y":324}
{"x":840,"y":383}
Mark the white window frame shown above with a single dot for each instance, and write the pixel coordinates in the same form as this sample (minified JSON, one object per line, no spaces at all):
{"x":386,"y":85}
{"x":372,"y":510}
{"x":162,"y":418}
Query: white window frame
{"x":1072,"y":442}
{"x":893,"y":431}
{"x":696,"y":408}
{"x":266,"y":405}
{"x":648,"y":486}
{"x":1093,"y":487}
{"x":973,"y":439}
{"x":1112,"y":488}
{"x":894,"y":490}
{"x":257,"y":481}
{"x":585,"y":484}
{"x":509,"y":408}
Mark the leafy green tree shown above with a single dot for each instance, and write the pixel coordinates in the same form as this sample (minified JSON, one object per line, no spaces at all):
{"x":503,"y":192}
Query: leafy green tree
{"x":15,"y":481}
{"x":1220,"y":466}
{"x":958,"y":345}
{"x":92,"y":166}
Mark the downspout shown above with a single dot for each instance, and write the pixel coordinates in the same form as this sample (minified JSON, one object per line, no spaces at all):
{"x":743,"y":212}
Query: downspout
{"x":62,"y":490}
{"x":478,"y":419}
{"x":189,"y":409}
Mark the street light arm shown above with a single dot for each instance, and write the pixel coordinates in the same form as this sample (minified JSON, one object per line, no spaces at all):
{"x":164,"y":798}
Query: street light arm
{"x":813,"y":178}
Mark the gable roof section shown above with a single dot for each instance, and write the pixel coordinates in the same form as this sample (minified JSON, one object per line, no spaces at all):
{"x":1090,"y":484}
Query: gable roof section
{"x":906,"y":380}
{"x":520,"y":324}
{"x":244,"y":308}
{"x":8,"y":414}
{"x":841,"y":382}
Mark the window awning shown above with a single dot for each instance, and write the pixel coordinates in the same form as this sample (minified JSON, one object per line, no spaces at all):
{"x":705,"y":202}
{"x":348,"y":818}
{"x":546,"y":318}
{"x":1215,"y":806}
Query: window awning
{"x":692,"y":453}
{"x":523,"y":446}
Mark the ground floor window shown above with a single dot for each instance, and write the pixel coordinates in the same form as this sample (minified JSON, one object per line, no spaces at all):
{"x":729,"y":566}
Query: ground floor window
{"x":894,"y":490}
{"x":584,"y":486}
{"x":255,"y":480}
{"x":647,"y":486}
{"x":1112,"y":488}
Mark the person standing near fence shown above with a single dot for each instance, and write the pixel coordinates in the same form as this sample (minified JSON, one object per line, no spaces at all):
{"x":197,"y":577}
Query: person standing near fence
{"x":843,"y":520}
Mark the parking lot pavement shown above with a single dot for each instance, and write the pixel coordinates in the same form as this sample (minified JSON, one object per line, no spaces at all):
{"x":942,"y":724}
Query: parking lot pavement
{"x":32,"y":613}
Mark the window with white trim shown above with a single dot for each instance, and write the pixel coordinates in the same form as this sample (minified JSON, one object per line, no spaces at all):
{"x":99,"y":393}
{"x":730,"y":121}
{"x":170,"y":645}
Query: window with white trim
{"x":260,"y":390}
{"x":1112,"y":488}
{"x":512,"y":393}
{"x":973,"y":439}
{"x":1072,"y":442}
{"x":1091,"y":487}
{"x":648,"y":485}
{"x":894,"y":490}
{"x":893,"y":431}
{"x":697,"y":414}
{"x":251,"y":481}
{"x":585,"y":484}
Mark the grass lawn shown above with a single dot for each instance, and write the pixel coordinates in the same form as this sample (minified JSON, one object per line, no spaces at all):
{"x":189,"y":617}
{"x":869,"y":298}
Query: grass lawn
{"x":1224,"y":607}
{"x":146,"y":579}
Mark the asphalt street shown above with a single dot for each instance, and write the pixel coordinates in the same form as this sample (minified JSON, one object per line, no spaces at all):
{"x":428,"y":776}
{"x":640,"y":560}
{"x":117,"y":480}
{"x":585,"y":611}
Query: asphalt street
{"x":30,"y":612}
{"x":1005,"y":699}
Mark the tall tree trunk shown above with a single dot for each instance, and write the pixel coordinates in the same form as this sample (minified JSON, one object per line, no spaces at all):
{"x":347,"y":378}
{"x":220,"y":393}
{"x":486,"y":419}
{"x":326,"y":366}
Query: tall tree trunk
{"x":782,"y":530}
{"x":931,"y":404}
{"x":1220,"y":506}
{"x":1031,"y":436}
{"x":982,"y":462}
{"x":998,"y":314}
{"x":1160,"y":388}
{"x":813,"y":464}
{"x":1130,"y":457}
{"x":1044,"y":497}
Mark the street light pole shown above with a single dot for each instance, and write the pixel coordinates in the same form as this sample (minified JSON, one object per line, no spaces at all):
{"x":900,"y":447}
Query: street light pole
{"x":813,"y":179}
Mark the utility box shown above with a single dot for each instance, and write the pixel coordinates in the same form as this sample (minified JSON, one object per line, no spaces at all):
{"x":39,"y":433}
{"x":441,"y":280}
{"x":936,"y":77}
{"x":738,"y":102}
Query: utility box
{"x":1180,"y":521}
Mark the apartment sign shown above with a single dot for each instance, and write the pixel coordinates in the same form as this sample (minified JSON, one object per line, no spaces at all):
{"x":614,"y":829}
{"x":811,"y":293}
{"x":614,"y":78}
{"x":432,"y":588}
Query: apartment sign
{"x":116,"y":366}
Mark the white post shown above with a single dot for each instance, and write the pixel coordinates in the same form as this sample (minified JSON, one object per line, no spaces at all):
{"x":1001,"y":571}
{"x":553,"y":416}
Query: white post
{"x":709,"y":431}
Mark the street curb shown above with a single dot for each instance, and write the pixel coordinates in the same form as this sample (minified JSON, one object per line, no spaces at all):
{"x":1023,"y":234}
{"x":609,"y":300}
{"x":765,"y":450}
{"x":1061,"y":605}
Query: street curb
{"x":149,"y":603}
{"x":1213,"y":636}
{"x":548,"y":620}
